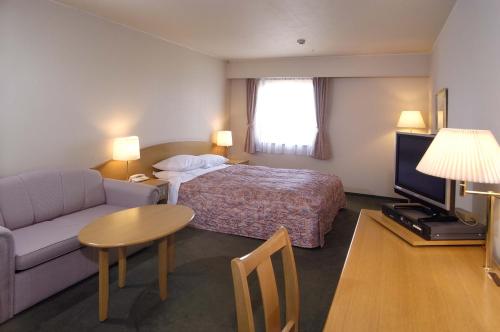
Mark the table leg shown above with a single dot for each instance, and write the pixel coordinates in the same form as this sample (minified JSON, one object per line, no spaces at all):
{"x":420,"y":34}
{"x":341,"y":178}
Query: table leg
{"x":171,"y":252}
{"x":162,"y":267}
{"x":103,"y":284}
{"x":122,"y":266}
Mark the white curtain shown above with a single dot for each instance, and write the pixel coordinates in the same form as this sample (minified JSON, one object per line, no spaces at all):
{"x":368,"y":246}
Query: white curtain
{"x":285,"y":116}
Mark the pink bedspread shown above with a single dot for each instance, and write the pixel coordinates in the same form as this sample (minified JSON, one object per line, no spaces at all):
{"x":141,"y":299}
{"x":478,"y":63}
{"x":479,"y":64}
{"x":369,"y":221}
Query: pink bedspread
{"x":254,"y":201}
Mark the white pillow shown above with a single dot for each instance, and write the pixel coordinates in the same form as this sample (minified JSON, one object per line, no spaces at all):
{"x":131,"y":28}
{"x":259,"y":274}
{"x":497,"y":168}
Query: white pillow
{"x":180,"y":163}
{"x":212,"y":160}
{"x":168,"y":175}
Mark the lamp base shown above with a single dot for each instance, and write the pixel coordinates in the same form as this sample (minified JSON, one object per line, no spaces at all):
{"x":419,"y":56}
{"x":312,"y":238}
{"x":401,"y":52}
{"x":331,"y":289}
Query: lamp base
{"x":490,"y":222}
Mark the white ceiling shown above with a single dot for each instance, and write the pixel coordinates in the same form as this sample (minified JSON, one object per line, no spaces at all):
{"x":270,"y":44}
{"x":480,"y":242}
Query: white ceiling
{"x":242,"y":29}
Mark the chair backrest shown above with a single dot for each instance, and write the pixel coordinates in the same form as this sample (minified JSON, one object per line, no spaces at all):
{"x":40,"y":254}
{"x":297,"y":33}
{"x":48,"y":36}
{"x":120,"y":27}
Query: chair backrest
{"x":260,"y":259}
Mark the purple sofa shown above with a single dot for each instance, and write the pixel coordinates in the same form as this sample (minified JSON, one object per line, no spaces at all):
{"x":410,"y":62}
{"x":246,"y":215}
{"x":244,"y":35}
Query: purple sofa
{"x":41,"y":214}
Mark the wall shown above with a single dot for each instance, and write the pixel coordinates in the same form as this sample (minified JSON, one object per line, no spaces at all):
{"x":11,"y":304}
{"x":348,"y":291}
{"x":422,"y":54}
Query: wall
{"x":363,"y":113}
{"x":386,"y":65}
{"x":70,"y":82}
{"x":466,"y":60}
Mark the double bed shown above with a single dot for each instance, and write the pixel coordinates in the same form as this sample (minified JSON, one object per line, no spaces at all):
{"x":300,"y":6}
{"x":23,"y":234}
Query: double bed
{"x":253,"y":201}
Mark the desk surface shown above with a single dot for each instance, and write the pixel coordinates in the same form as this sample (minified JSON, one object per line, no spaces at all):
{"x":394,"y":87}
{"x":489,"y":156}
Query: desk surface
{"x":135,"y":226}
{"x":388,"y":285}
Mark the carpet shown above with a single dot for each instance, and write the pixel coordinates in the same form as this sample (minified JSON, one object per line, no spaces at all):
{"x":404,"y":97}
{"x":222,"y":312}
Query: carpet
{"x":200,"y":290}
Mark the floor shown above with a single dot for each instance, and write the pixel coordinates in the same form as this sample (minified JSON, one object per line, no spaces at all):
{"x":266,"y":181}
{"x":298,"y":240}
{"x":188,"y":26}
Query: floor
{"x":200,"y":289}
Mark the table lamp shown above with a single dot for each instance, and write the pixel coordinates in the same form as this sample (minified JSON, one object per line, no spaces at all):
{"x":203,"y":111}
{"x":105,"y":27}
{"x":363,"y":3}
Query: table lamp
{"x":126,"y":149}
{"x":411,"y":120}
{"x":467,"y":155}
{"x":224,"y":139}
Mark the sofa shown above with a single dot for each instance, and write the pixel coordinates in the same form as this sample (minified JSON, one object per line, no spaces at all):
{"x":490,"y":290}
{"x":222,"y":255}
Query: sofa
{"x":41,"y":214}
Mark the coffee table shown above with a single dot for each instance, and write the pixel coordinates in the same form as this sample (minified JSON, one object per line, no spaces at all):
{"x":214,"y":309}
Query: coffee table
{"x":130,"y":227}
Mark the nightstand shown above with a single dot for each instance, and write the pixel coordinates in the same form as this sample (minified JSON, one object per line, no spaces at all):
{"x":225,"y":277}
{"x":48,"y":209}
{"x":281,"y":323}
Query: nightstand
{"x":162,"y":186}
{"x":232,"y":161}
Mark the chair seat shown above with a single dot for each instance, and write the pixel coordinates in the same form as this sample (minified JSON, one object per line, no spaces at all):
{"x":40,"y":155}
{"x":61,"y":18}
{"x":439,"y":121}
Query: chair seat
{"x":39,"y":243}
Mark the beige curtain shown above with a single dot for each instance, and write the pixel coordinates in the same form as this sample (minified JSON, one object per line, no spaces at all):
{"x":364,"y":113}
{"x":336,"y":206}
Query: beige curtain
{"x":321,"y":149}
{"x":251,"y":102}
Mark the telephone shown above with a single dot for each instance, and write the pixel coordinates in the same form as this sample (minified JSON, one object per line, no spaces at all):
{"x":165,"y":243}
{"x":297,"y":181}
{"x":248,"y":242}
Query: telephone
{"x":138,"y":178}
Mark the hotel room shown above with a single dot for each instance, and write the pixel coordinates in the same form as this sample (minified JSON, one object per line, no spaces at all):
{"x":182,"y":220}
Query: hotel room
{"x":266,"y":165}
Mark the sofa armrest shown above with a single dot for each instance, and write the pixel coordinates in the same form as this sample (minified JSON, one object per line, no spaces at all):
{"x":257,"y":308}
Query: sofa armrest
{"x":7,"y":270}
{"x":127,"y":194}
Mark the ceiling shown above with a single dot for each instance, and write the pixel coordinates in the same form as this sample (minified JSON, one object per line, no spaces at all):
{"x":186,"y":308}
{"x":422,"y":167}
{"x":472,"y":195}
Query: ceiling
{"x":243,"y":29}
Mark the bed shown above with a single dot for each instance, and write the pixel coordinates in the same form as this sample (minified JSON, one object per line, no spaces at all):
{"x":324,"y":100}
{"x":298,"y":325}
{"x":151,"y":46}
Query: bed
{"x":253,"y":201}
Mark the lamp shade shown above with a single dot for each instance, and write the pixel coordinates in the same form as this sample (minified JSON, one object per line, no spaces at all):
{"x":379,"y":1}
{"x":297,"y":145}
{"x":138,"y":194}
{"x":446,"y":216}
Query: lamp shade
{"x":224,"y":138}
{"x":126,"y":148}
{"x":411,"y":119}
{"x":464,"y":155}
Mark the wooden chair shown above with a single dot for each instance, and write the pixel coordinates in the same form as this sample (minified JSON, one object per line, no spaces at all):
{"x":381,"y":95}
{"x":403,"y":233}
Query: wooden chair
{"x":260,"y":259}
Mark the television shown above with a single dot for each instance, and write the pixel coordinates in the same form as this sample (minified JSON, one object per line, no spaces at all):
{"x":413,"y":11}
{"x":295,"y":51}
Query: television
{"x":433,"y":192}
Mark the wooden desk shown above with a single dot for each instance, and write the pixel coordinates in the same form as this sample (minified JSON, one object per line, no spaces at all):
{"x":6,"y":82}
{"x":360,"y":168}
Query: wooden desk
{"x":135,"y":226}
{"x":389,"y":285}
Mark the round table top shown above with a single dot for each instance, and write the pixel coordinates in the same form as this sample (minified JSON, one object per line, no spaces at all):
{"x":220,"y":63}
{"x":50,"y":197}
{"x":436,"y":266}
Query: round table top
{"x":135,"y":226}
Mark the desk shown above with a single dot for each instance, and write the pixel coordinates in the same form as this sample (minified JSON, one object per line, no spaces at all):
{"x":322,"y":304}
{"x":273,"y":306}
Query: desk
{"x":389,"y":285}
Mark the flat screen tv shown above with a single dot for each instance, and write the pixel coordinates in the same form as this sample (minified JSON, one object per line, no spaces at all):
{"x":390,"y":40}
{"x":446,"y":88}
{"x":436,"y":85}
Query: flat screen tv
{"x":429,"y":190}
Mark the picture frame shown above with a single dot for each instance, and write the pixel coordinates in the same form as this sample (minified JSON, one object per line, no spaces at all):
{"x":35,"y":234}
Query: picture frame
{"x":441,"y":111}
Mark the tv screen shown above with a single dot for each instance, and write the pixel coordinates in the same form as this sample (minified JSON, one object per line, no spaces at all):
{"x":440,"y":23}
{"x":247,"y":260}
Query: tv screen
{"x":410,"y":148}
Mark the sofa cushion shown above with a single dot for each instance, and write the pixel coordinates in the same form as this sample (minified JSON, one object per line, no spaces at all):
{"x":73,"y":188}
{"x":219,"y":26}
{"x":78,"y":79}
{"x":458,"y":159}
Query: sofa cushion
{"x":15,"y":204}
{"x":94,"y":188}
{"x":42,"y":242}
{"x":44,"y":189}
{"x":44,"y":195}
{"x":82,"y":189}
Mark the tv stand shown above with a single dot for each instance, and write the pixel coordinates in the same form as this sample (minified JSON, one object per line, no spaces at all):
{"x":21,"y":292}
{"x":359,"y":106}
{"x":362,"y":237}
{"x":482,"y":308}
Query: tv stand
{"x":432,"y":225}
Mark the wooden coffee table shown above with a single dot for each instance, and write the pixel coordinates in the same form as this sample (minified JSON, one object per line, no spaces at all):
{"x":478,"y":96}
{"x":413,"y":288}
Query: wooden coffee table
{"x":130,"y":227}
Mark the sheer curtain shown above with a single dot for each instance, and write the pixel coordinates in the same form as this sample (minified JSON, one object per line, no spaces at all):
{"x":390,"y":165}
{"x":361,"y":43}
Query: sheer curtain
{"x":285,"y":116}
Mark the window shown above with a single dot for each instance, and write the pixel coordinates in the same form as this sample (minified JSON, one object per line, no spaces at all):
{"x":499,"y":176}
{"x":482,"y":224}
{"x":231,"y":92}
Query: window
{"x":285,"y":116}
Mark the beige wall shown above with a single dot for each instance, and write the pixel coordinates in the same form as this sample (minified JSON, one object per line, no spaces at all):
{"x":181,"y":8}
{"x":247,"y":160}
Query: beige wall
{"x":385,"y":65}
{"x":363,"y":113}
{"x":466,"y":60}
{"x":69,"y":82}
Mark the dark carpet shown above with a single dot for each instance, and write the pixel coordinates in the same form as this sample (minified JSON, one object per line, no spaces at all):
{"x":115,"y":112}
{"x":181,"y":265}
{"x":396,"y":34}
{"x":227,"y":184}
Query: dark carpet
{"x":200,"y":290}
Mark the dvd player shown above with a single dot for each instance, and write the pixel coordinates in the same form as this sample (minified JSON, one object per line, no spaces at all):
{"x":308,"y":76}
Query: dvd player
{"x":432,"y":225}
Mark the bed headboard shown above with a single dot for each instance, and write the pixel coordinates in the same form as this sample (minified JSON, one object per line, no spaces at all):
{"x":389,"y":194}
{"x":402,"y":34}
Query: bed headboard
{"x":150,"y":155}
